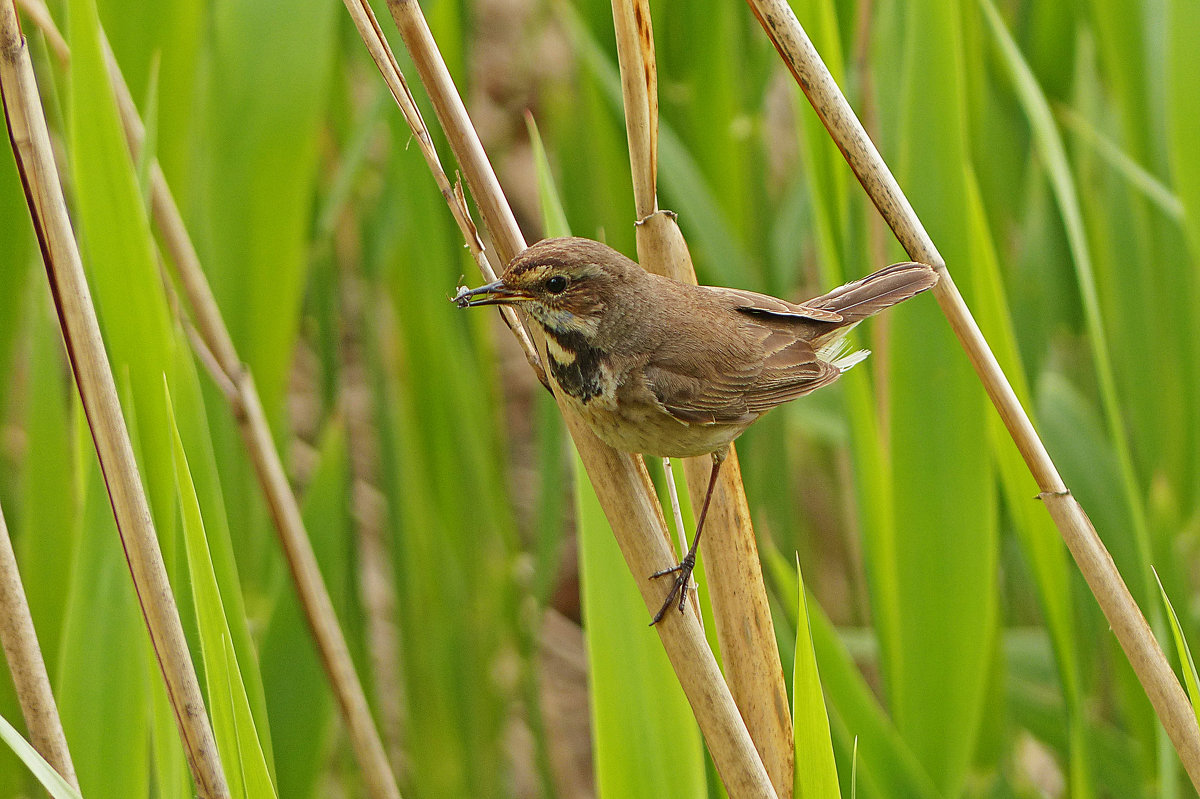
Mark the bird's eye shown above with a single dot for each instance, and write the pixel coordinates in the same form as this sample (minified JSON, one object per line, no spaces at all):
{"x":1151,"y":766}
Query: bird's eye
{"x":556,"y":284}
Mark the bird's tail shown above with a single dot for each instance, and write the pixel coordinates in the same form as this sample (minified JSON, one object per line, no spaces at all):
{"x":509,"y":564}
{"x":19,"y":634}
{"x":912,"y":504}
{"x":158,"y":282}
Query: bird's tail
{"x":875,"y":292}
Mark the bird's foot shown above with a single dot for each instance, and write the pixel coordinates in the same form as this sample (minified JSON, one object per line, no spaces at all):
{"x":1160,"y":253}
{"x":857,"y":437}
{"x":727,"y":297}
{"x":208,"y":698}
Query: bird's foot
{"x":683,"y":576}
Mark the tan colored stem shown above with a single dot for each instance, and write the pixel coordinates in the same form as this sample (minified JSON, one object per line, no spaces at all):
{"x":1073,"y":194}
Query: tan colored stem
{"x":1093,"y":560}
{"x":28,"y":669}
{"x":89,"y":362}
{"x":621,"y":482}
{"x":741,"y":611}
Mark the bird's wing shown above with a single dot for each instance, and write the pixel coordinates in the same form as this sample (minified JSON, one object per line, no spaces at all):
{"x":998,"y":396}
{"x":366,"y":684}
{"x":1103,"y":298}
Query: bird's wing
{"x":791,"y":369}
{"x":693,"y":388}
{"x":711,"y":398}
{"x":751,"y":302}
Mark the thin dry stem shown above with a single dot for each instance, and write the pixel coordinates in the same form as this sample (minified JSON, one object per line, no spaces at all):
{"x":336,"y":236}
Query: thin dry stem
{"x":28,"y":669}
{"x":741,"y":611}
{"x":621,"y":482}
{"x":89,"y":362}
{"x":1093,"y":560}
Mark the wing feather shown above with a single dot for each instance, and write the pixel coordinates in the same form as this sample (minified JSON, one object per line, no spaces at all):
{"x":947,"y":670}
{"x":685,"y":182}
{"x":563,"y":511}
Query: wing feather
{"x":751,"y":302}
{"x":691,"y":389}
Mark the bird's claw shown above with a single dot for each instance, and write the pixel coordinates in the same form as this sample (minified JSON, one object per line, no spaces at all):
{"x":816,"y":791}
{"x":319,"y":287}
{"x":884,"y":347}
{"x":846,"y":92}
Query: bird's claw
{"x":683,"y":572}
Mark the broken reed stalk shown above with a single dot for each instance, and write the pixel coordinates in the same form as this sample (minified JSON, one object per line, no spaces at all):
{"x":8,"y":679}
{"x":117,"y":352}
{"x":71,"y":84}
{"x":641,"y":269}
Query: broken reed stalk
{"x":1089,"y":552}
{"x":28,"y":669}
{"x":620,"y":480}
{"x":741,"y":612}
{"x":85,"y":349}
{"x":216,"y":350}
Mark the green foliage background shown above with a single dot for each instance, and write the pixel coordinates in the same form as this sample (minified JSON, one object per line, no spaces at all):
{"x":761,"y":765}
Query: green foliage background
{"x":1048,"y":147}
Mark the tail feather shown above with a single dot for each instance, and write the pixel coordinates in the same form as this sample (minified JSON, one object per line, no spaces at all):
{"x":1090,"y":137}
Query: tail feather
{"x":875,"y":292}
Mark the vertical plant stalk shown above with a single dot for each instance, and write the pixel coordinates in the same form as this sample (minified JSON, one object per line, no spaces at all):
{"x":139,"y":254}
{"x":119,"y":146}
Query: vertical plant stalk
{"x":1126,"y":619}
{"x":28,"y":669}
{"x":620,"y":480}
{"x":89,"y":362}
{"x":216,"y":350}
{"x":741,"y":610}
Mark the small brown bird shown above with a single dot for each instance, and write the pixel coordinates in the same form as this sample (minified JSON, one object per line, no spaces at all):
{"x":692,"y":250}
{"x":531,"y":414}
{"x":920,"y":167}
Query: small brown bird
{"x":664,"y":368}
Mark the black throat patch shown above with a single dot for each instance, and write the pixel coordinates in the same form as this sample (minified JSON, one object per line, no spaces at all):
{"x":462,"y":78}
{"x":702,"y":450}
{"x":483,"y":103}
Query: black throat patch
{"x":581,"y":377}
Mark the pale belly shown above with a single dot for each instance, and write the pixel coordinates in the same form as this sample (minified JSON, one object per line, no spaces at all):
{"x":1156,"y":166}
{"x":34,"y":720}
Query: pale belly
{"x":650,"y":430}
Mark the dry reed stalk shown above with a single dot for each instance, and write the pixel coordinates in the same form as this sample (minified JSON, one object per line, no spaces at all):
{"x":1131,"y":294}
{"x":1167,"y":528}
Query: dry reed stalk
{"x":93,"y":376}
{"x":741,"y":612}
{"x":620,"y":481}
{"x":1089,"y":552}
{"x":28,"y":669}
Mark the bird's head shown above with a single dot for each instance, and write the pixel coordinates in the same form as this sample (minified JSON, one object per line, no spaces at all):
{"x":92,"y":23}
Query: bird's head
{"x":564,"y":284}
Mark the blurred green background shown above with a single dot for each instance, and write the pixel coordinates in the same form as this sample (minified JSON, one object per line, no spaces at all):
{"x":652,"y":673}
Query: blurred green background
{"x":1048,"y":147}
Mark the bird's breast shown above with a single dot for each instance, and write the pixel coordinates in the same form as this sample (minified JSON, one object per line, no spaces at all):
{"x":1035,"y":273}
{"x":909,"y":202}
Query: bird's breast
{"x":578,"y":367}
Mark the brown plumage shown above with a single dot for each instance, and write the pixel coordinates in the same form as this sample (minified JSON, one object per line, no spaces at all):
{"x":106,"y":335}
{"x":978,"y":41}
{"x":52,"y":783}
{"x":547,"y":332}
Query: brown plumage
{"x":670,"y":369}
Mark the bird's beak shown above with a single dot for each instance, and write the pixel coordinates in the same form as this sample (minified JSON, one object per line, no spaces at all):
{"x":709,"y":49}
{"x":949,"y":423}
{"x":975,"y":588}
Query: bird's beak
{"x":495,"y":293}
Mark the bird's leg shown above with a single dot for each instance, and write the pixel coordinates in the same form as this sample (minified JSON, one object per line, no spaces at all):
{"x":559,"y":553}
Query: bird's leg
{"x":683,"y":571}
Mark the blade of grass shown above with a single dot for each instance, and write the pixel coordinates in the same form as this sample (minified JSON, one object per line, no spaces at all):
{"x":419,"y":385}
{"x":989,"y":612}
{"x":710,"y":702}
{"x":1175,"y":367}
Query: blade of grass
{"x":1137,"y":176}
{"x":15,"y":267}
{"x":1183,"y":651}
{"x":120,"y":258}
{"x":191,"y":416}
{"x":49,"y":524}
{"x":217,"y":350}
{"x":265,"y":105}
{"x":1042,"y":547}
{"x":829,"y":185}
{"x":816,"y":771}
{"x":645,"y":741}
{"x":50,"y":779}
{"x":888,"y":765}
{"x":554,"y":218}
{"x":164,"y":41}
{"x":1053,"y":153}
{"x":451,"y":526}
{"x":946,"y":536}
{"x":102,"y":675}
{"x":232,"y":720}
{"x":1183,"y":115}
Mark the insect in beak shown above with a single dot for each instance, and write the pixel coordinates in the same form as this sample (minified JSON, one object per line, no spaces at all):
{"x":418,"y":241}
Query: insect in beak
{"x":494,"y":293}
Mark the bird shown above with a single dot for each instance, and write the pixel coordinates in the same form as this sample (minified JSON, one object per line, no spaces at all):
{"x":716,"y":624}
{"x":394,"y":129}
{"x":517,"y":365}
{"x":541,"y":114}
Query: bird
{"x":669,"y":369}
